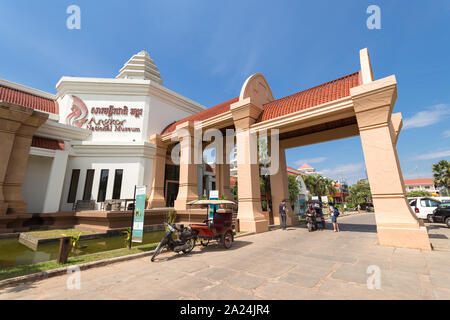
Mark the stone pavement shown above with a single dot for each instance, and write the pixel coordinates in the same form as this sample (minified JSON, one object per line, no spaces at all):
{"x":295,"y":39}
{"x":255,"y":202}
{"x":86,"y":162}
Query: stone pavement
{"x":292,"y":264}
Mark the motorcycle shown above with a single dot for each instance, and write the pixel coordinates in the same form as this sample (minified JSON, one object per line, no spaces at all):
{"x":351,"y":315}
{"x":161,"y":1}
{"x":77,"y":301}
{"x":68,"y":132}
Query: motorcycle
{"x":311,"y":221}
{"x":320,"y":219}
{"x":185,"y":243}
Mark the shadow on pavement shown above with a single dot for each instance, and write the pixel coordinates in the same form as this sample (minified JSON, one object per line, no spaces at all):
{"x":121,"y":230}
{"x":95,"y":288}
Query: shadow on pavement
{"x":212,"y":247}
{"x":350,"y":227}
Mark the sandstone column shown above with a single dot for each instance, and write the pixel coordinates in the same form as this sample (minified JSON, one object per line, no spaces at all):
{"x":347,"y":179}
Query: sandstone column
{"x":157,"y":198}
{"x":250,"y":213}
{"x":18,"y":162}
{"x":280,"y":190}
{"x":188,"y":168}
{"x":11,"y":118}
{"x":396,"y":223}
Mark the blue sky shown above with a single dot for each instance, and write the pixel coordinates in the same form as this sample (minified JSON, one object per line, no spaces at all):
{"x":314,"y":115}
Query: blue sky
{"x":206,"y":49}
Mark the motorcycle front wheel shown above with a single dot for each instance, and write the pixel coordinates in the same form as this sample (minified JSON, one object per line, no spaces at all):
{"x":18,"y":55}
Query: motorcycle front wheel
{"x":158,"y":250}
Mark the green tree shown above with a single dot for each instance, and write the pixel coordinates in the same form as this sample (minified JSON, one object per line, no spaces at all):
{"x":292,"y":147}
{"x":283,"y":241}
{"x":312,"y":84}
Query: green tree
{"x":360,"y":193}
{"x":294,"y":189}
{"x":418,"y":193}
{"x":319,"y":185}
{"x":441,"y":172}
{"x":234,"y":190}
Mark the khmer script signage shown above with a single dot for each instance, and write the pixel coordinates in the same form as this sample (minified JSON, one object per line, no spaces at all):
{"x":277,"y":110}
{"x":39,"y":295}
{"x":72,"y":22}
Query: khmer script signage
{"x":103,"y":119}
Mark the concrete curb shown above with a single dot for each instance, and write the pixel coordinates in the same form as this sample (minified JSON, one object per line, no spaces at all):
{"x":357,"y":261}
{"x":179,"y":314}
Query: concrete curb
{"x":60,"y":271}
{"x":29,"y":278}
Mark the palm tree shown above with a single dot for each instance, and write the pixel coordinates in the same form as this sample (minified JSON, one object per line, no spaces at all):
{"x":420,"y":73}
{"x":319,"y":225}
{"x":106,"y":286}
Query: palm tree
{"x":329,"y":186}
{"x":319,"y":185}
{"x":441,"y":172}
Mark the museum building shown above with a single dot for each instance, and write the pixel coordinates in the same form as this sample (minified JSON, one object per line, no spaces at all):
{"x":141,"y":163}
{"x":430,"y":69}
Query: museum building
{"x":93,"y":143}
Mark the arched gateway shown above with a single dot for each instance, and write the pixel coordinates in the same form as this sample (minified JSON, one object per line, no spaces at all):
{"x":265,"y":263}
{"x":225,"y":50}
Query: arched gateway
{"x":349,"y":106}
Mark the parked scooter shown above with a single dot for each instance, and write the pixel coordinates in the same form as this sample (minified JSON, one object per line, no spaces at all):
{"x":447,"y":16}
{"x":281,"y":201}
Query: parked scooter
{"x":185,"y":242}
{"x":320,"y":219}
{"x":311,"y":221}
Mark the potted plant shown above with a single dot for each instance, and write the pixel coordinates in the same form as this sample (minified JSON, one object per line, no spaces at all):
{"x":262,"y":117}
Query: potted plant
{"x":147,"y":198}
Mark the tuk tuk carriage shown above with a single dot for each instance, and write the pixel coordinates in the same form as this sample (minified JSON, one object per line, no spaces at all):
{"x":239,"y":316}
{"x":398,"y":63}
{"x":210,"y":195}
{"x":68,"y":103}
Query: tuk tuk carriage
{"x":218,"y":226}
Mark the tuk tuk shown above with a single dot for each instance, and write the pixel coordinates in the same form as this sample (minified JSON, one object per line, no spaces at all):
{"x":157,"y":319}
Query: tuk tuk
{"x":218,"y":226}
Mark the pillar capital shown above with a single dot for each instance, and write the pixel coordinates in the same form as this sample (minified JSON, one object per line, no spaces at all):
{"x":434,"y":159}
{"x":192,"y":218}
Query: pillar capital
{"x":12,"y":117}
{"x":245,"y":113}
{"x":32,"y":123}
{"x":161,"y":146}
{"x":185,"y":128}
{"x":373,"y":102}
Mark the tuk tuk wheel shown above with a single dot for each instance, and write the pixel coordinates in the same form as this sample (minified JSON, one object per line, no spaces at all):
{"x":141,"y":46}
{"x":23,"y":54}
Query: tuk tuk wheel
{"x":227,"y":240}
{"x":204,"y":242}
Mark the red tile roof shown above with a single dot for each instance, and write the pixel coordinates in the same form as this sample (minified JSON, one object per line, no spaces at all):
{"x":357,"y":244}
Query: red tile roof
{"x":294,"y":170}
{"x":318,"y":95}
{"x":305,"y":166}
{"x":420,"y":181}
{"x":203,"y":115}
{"x":323,"y":93}
{"x":29,"y":100}
{"x":46,"y":143}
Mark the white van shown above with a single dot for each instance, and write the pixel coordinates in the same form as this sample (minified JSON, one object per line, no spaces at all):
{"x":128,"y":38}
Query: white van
{"x":424,"y":207}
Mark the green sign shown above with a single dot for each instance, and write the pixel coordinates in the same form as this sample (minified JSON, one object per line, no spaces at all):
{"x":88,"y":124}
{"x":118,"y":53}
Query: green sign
{"x":139,"y":215}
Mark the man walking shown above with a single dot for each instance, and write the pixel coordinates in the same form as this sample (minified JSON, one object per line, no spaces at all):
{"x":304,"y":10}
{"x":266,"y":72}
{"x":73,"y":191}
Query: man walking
{"x":283,"y":213}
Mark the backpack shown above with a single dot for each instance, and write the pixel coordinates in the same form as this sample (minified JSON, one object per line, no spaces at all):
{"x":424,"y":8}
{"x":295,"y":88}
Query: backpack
{"x":336,"y":212}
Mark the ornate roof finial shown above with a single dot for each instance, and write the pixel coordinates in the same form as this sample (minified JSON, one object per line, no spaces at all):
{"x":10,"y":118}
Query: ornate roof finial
{"x":140,"y":66}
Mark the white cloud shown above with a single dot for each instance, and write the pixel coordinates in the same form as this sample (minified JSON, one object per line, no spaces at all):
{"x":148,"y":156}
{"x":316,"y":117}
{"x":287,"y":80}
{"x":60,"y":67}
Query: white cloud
{"x":310,"y":161}
{"x":435,"y":155}
{"x":446,"y":134}
{"x":347,"y":169}
{"x":427,"y":117}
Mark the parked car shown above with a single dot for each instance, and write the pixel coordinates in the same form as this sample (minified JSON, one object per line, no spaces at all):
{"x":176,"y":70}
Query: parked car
{"x":443,"y":199}
{"x":442,"y":214}
{"x":424,"y":207}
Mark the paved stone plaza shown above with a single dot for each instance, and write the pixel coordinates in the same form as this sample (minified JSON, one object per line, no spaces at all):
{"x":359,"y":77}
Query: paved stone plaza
{"x":292,"y":264}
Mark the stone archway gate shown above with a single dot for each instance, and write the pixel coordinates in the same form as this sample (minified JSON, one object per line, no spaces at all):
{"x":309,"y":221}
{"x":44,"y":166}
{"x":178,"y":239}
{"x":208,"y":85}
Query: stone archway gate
{"x":353,"y":105}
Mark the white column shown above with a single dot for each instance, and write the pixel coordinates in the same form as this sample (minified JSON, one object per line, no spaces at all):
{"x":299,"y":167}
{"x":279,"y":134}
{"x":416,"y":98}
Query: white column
{"x":56,"y":182}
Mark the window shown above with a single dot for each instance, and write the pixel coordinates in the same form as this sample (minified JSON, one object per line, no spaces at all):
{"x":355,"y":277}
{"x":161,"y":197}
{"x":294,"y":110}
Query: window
{"x":434,"y":203}
{"x":102,"y":186}
{"x":427,"y":187}
{"x":88,"y":185}
{"x":73,"y":186}
{"x":429,"y":203}
{"x":117,"y":184}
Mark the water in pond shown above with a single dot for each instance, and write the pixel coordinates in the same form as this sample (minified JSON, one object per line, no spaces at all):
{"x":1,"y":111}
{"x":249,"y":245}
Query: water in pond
{"x":13,"y":253}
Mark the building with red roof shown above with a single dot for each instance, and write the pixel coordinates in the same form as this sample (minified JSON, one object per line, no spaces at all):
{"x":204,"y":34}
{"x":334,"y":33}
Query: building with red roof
{"x":422,"y":184}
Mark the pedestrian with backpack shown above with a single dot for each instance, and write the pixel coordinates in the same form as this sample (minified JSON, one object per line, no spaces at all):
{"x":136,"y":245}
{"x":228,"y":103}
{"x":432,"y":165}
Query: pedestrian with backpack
{"x":334,"y":215}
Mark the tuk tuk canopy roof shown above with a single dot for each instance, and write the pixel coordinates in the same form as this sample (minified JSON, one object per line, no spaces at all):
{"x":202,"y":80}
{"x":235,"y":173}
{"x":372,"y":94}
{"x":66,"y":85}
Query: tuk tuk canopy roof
{"x":210,"y":202}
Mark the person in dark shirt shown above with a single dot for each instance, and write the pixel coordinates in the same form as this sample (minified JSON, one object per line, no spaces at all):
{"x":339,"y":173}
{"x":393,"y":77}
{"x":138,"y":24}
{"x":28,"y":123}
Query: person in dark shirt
{"x":283,"y":213}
